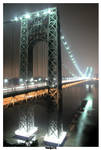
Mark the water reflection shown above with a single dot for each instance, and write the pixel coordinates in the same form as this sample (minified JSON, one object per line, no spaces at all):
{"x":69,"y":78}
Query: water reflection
{"x":14,"y":117}
{"x":83,"y":118}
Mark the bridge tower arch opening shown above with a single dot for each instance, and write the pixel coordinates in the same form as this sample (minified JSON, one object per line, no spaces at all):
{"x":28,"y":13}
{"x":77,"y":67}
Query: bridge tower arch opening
{"x":38,"y":60}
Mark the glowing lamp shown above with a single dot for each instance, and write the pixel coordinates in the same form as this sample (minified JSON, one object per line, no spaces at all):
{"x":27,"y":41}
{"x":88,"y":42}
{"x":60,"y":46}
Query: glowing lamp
{"x":65,"y":43}
{"x":31,"y":80}
{"x":16,"y":19}
{"x":62,"y":37}
{"x":67,"y":48}
{"x":39,"y":79}
{"x":49,"y":11}
{"x":5,"y":80}
{"x":20,"y":18}
{"x":27,"y":16}
{"x":20,"y":80}
{"x":37,"y":14}
{"x":71,"y":56}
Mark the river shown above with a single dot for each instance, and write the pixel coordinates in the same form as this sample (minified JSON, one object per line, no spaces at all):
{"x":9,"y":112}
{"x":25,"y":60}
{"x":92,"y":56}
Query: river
{"x":15,"y":116}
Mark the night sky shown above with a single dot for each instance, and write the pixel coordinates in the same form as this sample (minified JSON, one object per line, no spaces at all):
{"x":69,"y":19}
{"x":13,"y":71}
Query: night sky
{"x":79,"y":25}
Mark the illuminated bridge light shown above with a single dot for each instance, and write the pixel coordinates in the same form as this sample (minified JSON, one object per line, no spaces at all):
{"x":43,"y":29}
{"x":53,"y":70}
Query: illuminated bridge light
{"x":65,"y":43}
{"x":72,"y":59}
{"x":62,"y":37}
{"x":27,"y":16}
{"x":71,"y":56}
{"x":39,"y":79}
{"x":22,"y":97}
{"x":74,"y":62}
{"x":31,"y":80}
{"x":49,"y":11}
{"x":68,"y":48}
{"x":20,"y":18}
{"x":20,"y":79}
{"x":69,"y":52}
{"x":16,"y":19}
{"x":5,"y":80}
{"x":37,"y":14}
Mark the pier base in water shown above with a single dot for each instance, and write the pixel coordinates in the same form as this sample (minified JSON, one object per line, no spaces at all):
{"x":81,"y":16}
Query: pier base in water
{"x":52,"y":140}
{"x":26,"y":137}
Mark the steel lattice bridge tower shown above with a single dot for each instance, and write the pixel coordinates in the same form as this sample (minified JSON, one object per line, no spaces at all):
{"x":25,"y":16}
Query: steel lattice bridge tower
{"x":44,"y":25}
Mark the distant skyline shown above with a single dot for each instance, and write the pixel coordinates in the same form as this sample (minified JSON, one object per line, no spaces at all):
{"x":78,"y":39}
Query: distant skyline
{"x":79,"y":25}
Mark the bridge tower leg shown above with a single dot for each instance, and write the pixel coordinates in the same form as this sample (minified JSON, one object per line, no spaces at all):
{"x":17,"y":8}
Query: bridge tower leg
{"x":24,"y":49}
{"x":55,"y":129}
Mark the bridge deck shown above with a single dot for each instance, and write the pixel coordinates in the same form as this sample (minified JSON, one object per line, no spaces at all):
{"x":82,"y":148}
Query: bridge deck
{"x":34,"y":93}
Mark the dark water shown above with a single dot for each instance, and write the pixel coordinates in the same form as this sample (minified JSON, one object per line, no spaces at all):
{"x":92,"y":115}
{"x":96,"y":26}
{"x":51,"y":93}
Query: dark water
{"x":72,"y":97}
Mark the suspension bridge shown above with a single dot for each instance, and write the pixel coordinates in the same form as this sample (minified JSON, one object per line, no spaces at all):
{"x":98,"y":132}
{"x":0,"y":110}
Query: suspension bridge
{"x":40,"y":65}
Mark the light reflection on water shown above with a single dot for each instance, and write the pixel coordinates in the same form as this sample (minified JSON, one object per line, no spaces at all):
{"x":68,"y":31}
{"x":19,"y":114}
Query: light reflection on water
{"x":39,"y":113}
{"x":83,"y":117}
